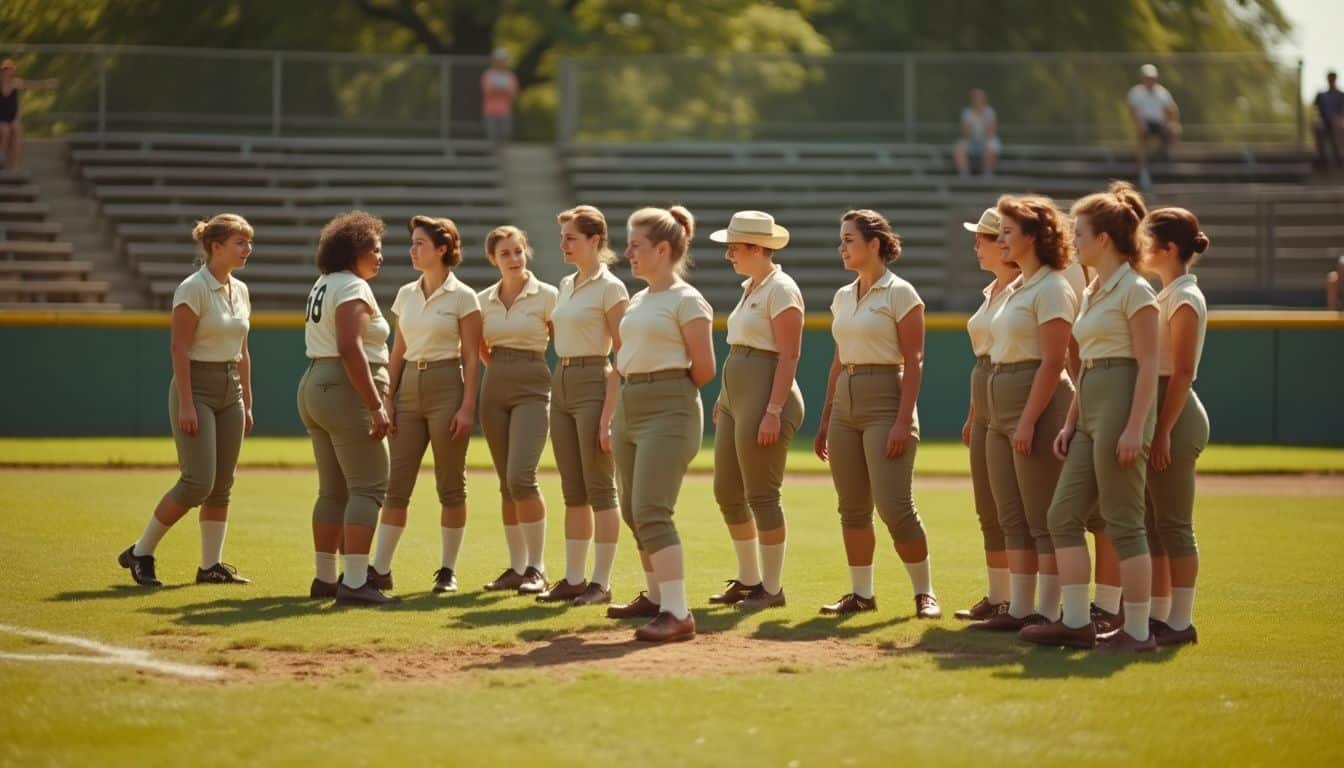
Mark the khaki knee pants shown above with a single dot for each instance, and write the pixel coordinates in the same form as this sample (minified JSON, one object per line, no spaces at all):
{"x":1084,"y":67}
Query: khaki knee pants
{"x":747,"y":476}
{"x":352,"y":467}
{"x":515,"y":414}
{"x":867,"y":401}
{"x":1091,"y":474}
{"x":578,"y":390}
{"x":427,"y":400}
{"x":1023,"y":486}
{"x":1171,"y":492}
{"x":656,"y":433}
{"x":990,"y":529}
{"x":209,"y":458}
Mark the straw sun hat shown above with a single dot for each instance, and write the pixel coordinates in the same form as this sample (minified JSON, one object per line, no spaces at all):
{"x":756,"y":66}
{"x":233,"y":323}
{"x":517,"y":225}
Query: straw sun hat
{"x":753,"y":228}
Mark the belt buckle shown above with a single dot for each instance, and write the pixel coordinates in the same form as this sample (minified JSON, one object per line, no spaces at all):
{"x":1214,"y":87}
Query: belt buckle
{"x":564,"y":362}
{"x":1089,"y":364}
{"x":850,"y":369}
{"x":421,"y":365}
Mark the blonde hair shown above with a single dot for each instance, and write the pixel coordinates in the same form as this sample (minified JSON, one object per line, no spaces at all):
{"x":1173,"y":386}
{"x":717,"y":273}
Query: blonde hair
{"x":674,"y":226}
{"x":219,"y":228}
{"x":590,"y":222}
{"x":499,"y":233}
{"x":1118,"y":212}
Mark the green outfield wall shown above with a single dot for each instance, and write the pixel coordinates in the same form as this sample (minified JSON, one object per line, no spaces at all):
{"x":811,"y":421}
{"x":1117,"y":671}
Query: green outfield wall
{"x":1266,"y":377}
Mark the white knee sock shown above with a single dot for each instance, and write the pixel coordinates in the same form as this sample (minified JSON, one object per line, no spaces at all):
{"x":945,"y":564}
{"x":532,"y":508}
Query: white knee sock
{"x":534,"y":534}
{"x":999,"y":585}
{"x":1047,"y":595}
{"x":748,"y":567}
{"x":1182,"y":607}
{"x":861,"y":579}
{"x":513,"y":536}
{"x":603,"y":559}
{"x":921,"y":576}
{"x":772,"y":567}
{"x":576,"y":560}
{"x":154,"y":531}
{"x":654,"y":588}
{"x":1136,"y":620}
{"x":212,"y":542}
{"x":388,"y":537}
{"x":356,"y":571}
{"x":326,"y":566}
{"x":1077,"y":611}
{"x":1108,"y":598}
{"x":1022,"y":594}
{"x":672,"y":598}
{"x":452,"y":544}
{"x":1160,"y":608}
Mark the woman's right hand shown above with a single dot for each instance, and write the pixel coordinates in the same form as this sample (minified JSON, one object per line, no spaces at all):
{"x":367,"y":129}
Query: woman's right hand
{"x":966,"y":433}
{"x":819,"y":443}
{"x":378,"y":422}
{"x":390,"y":405}
{"x":1062,"y":441}
{"x":714,"y":417}
{"x":186,"y":419}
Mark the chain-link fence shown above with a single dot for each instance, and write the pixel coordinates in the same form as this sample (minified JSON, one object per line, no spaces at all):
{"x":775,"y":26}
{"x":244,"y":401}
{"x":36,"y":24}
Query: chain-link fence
{"x":1075,"y":98}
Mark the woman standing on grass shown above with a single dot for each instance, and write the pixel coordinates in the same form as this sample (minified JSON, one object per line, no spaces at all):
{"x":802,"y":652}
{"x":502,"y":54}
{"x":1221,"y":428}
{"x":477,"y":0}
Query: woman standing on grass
{"x":515,"y":402}
{"x":433,"y":381}
{"x":341,"y":402}
{"x":209,"y":399}
{"x":991,"y":260}
{"x":1174,"y":244}
{"x":587,"y":319}
{"x":870,"y":427}
{"x":1029,"y":394}
{"x":1105,"y":440}
{"x":666,"y":355}
{"x":759,"y":409}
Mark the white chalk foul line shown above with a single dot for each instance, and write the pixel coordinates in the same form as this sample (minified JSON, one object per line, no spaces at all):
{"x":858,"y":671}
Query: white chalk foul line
{"x":107,"y":654}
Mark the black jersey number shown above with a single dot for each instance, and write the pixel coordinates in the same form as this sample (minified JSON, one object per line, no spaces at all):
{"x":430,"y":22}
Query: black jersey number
{"x":315,"y":297}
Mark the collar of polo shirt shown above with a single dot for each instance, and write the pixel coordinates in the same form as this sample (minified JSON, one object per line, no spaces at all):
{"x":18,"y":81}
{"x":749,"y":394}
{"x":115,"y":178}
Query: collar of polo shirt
{"x":210,"y":280}
{"x":447,"y":285}
{"x":883,"y":282}
{"x":530,"y":287}
{"x":1182,"y":280}
{"x":773,"y":271}
{"x":1111,"y":281}
{"x":581,"y":279}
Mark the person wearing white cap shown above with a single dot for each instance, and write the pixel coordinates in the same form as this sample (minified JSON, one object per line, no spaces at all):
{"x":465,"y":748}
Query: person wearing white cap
{"x":1155,"y":114}
{"x":759,"y":408}
{"x":973,"y":434}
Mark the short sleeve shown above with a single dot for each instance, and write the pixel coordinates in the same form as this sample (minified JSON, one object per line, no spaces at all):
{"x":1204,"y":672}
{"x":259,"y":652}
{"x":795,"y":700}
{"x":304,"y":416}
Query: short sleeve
{"x":1056,"y":301}
{"x":192,"y":293}
{"x":902,"y":299}
{"x":356,"y":290}
{"x":693,"y":307}
{"x":548,"y":309}
{"x":397,"y":302}
{"x":613,"y":293}
{"x":783,"y":296}
{"x":467,"y":303}
{"x":1138,"y":296}
{"x":835,"y":303}
{"x":1167,"y":99}
{"x":247,"y":295}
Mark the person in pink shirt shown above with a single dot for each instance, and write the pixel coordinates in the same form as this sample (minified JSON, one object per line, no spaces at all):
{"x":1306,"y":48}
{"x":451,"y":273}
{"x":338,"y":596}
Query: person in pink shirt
{"x":499,"y":88}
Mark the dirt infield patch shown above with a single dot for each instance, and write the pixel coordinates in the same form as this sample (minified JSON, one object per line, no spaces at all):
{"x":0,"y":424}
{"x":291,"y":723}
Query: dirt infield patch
{"x":565,"y":656}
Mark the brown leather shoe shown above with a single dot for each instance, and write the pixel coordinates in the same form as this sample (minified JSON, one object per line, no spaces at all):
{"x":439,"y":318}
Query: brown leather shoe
{"x":383,"y":581}
{"x":926,"y":607}
{"x":562,"y":592}
{"x":734,"y":594}
{"x":1166,"y":636}
{"x":848,"y":604}
{"x":760,"y":600}
{"x":1003,"y":621}
{"x":666,"y":628}
{"x":1121,"y":642}
{"x":639,"y":608}
{"x":533,"y":582}
{"x":509,"y":580}
{"x":1058,"y":633}
{"x":595,"y":594}
{"x":1105,"y":621}
{"x":980,"y":611}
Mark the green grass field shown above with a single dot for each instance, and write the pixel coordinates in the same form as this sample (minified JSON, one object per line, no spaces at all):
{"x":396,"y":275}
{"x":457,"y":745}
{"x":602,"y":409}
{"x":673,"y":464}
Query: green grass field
{"x":1264,"y":686}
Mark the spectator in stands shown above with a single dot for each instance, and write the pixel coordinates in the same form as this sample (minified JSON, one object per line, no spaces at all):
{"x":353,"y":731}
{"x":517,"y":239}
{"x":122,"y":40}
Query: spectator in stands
{"x":1329,"y":128}
{"x":1155,"y":114}
{"x":979,"y":136}
{"x":499,"y":88}
{"x":1334,"y":286}
{"x":11,"y":130}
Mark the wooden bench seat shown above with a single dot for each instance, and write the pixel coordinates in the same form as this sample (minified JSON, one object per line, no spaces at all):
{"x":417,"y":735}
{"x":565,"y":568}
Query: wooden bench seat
{"x":203,"y":158}
{"x":294,"y":177}
{"x":36,"y":249}
{"x":37,"y":270}
{"x":47,"y":290}
{"x":294,"y":197}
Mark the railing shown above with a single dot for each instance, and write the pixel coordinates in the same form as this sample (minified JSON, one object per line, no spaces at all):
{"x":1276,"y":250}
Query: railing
{"x":1040,"y":98}
{"x":276,"y":93}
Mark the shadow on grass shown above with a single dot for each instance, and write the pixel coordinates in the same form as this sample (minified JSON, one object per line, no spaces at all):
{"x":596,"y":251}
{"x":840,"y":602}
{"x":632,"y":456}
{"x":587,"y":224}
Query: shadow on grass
{"x":821,"y":627}
{"x":1015,"y":660}
{"x":564,"y":650}
{"x":114,"y":591}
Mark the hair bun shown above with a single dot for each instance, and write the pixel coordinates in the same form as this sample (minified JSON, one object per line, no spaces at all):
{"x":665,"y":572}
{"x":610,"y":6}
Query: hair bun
{"x":685,"y":219}
{"x":198,"y":231}
{"x":1201,"y":243}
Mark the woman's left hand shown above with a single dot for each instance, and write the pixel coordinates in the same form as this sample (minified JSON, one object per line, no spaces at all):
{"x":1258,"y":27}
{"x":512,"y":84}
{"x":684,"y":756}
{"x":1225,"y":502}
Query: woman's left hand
{"x":1128,"y":447}
{"x":247,"y":420}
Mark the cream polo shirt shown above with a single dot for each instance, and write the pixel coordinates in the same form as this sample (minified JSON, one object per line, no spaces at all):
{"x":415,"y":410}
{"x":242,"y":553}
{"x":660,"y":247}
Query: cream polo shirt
{"x":1029,"y":305}
{"x":430,"y":326}
{"x":1183,"y":290}
{"x":1102,"y":328}
{"x":749,"y":324}
{"x":223,"y":316}
{"x":978,"y":326}
{"x":651,"y":329}
{"x":1077,"y":279}
{"x":319,"y":329}
{"x":865,"y":331}
{"x":580,"y":314}
{"x":523,"y":325}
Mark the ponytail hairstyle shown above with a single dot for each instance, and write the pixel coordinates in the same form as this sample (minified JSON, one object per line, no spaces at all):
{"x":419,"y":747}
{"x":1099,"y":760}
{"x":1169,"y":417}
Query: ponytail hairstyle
{"x":218,"y":229}
{"x":1168,"y":226}
{"x":674,"y":226}
{"x":443,"y":234}
{"x":590,"y":221}
{"x":1040,"y":219}
{"x":874,"y":226}
{"x":499,"y":233}
{"x":1117,"y":212}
